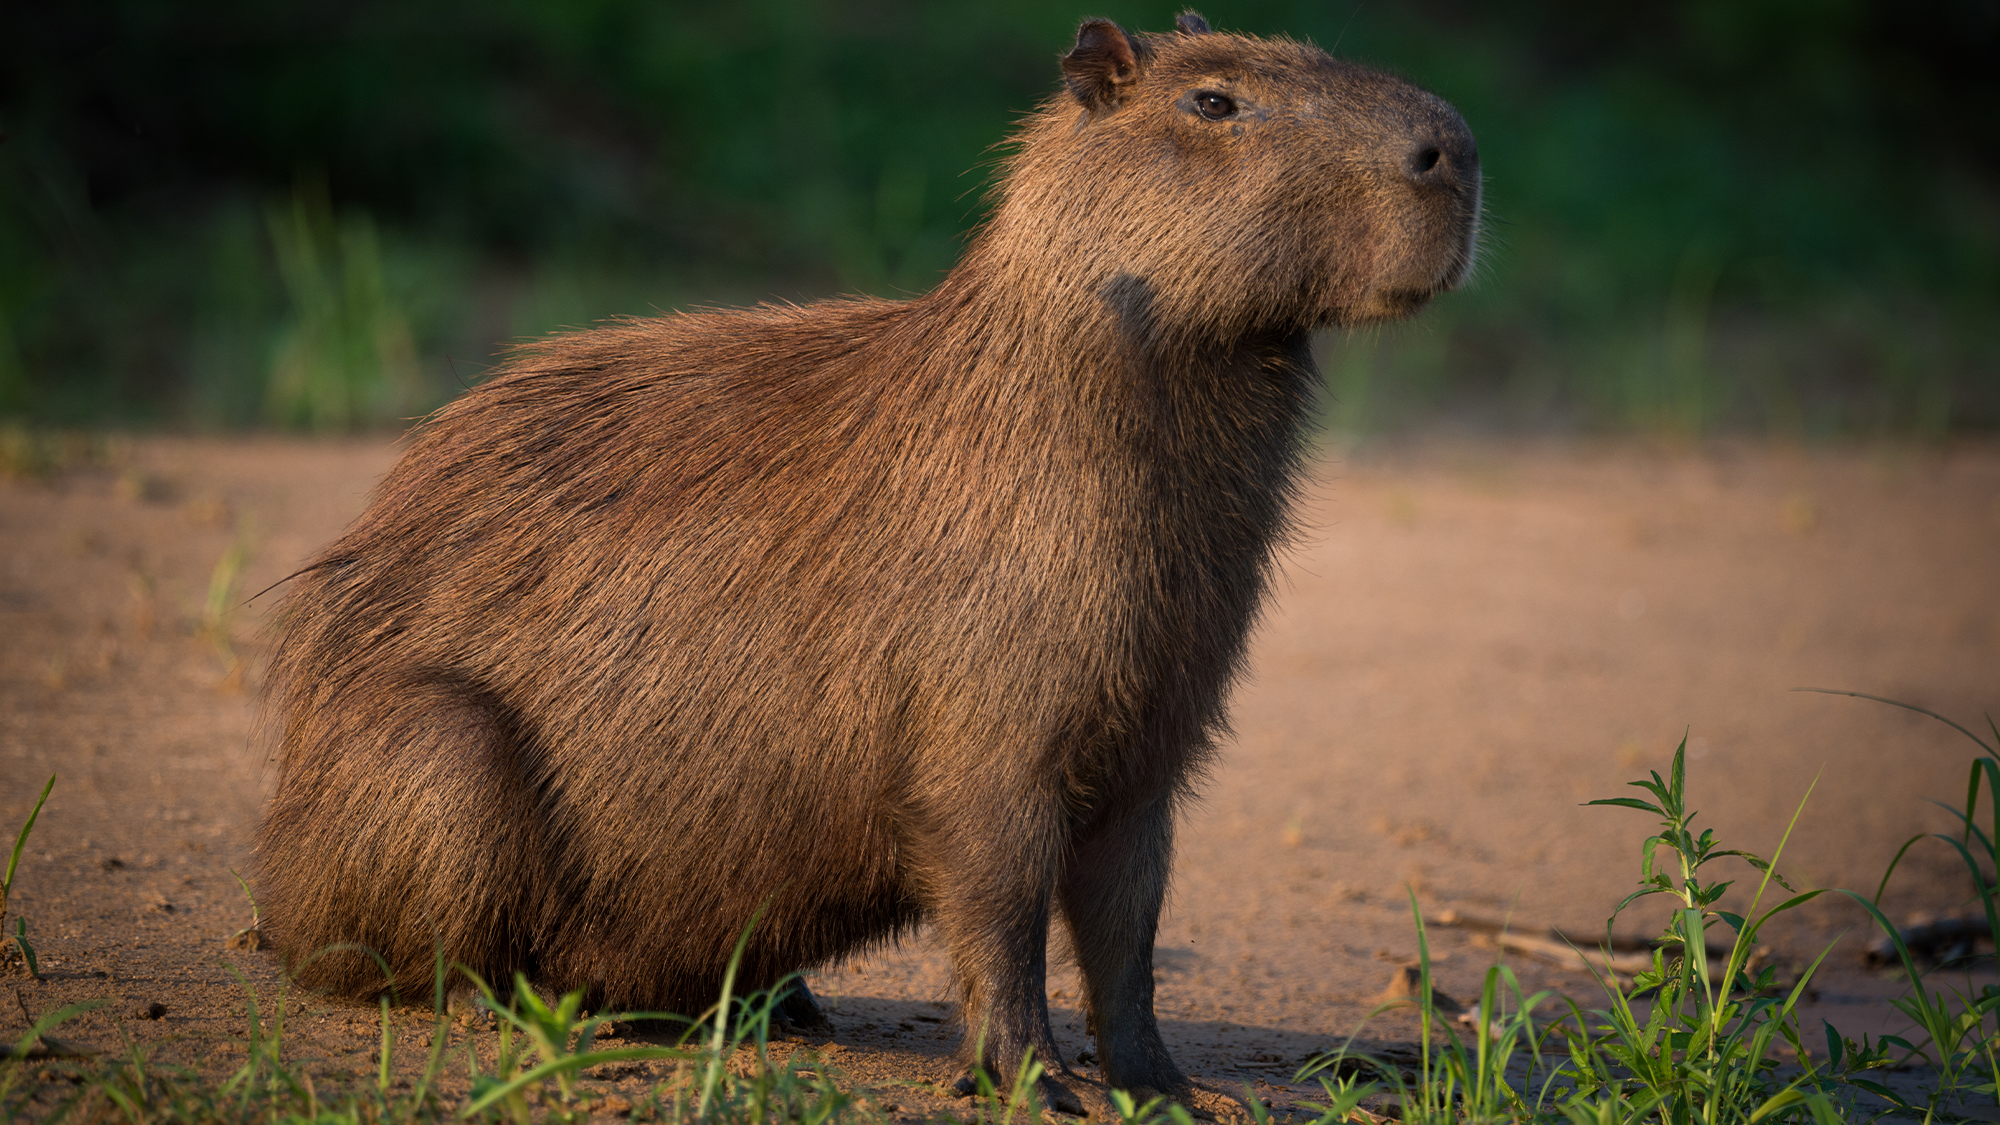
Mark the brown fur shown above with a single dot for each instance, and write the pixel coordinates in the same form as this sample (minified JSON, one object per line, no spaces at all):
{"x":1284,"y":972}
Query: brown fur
{"x":873,"y":611}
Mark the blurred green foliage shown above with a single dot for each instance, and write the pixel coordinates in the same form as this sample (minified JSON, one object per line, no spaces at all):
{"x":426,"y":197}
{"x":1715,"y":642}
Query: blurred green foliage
{"x":1778,"y":215}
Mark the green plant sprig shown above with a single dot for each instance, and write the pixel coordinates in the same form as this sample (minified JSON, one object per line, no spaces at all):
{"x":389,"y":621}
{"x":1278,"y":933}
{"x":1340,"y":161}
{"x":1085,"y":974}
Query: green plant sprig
{"x":1706,"y":1049}
{"x":19,"y":938}
{"x":1957,"y":1026}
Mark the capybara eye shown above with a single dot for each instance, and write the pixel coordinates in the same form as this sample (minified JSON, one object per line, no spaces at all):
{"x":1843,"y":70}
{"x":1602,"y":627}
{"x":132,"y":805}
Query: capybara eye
{"x":1214,"y":106}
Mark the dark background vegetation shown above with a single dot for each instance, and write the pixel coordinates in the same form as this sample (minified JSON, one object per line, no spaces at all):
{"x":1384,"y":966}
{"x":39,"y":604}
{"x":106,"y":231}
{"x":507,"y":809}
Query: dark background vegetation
{"x":1766,"y":215}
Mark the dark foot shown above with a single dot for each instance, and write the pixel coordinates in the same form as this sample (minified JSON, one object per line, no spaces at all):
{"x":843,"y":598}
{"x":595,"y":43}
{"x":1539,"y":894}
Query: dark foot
{"x":799,"y":1013}
{"x":1215,"y":1105}
{"x":1202,"y":1104}
{"x":1054,"y":1095}
{"x":1059,"y":1097}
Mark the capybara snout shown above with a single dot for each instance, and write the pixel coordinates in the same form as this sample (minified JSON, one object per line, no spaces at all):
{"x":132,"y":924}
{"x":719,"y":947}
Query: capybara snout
{"x":862,"y":613}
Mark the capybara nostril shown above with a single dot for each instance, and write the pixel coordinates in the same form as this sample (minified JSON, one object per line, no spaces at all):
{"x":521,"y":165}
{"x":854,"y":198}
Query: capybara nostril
{"x":1443,"y":161}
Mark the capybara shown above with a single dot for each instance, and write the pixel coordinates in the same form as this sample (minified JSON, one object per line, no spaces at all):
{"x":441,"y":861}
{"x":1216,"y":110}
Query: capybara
{"x":861,"y":612}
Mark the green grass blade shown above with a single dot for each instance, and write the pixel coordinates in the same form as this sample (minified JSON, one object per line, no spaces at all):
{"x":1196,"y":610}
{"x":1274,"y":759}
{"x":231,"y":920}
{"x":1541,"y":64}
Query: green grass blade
{"x":51,"y":1021}
{"x":1789,"y":904}
{"x":1972,"y":800}
{"x":1784,"y":1098}
{"x":384,"y":1070}
{"x":565,"y":1064}
{"x":1883,"y":886}
{"x":1739,"y":952}
{"x":1977,"y":741}
{"x":1993,"y":788}
{"x":21,"y":841}
{"x":712,"y":1075}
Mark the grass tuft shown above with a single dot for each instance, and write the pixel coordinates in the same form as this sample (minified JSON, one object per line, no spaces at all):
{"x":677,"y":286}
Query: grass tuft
{"x":1689,"y":1041}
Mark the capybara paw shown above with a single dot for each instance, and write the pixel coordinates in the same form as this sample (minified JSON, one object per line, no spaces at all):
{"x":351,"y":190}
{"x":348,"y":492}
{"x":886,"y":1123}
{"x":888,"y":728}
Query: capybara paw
{"x":1059,"y":1097}
{"x":800,"y":1014}
{"x":1214,"y":1105}
{"x":465,"y":1006}
{"x":1203,"y":1102}
{"x":1053,"y":1094}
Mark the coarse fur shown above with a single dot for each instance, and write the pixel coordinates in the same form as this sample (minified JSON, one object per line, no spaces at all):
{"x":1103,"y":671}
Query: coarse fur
{"x":864,"y":612}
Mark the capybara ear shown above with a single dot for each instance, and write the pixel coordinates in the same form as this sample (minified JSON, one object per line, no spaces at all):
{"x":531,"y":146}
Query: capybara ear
{"x":1101,"y":64}
{"x":1191,"y":23}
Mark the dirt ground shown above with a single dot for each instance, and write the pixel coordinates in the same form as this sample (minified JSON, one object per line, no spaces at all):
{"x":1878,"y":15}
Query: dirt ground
{"x":1469,"y":639}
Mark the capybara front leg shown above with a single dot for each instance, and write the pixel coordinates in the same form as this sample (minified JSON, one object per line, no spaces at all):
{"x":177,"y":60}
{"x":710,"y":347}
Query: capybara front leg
{"x":1112,"y":891}
{"x":992,"y":909}
{"x":1007,"y":1014}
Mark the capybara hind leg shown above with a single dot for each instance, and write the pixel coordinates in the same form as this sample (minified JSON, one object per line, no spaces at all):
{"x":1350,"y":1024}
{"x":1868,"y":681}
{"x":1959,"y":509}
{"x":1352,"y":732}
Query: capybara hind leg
{"x":798,"y":1011}
{"x":1112,"y":891}
{"x":404,"y":825}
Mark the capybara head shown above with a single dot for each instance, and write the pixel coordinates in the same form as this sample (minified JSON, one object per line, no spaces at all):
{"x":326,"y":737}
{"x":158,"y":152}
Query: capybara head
{"x":1231,"y":184}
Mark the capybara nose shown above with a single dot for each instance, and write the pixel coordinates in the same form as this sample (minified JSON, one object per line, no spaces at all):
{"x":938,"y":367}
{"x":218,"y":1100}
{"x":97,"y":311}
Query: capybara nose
{"x":1441,"y":160}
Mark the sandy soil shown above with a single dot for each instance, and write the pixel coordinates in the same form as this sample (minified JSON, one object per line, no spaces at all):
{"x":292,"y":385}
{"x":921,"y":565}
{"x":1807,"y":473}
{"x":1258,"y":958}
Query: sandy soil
{"x":1469,"y":640}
